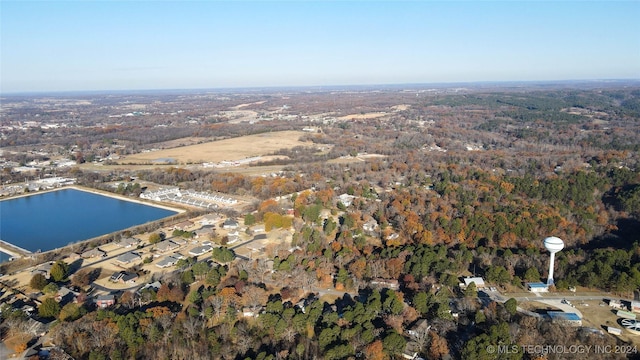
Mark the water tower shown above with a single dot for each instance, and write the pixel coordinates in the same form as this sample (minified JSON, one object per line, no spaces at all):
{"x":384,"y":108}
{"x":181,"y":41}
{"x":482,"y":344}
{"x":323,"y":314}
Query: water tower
{"x":553,"y":245}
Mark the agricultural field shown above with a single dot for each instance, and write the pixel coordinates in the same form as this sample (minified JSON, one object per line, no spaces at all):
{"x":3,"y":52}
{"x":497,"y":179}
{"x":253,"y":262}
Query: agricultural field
{"x":223,"y":150}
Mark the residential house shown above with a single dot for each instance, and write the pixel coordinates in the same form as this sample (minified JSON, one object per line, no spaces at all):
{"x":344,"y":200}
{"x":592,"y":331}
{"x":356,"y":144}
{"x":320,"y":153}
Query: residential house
{"x":184,"y":225}
{"x":370,"y":225}
{"x":124,"y":277}
{"x":199,"y":250}
{"x":66,"y":295}
{"x":476,"y":280}
{"x":420,"y":328}
{"x":93,"y":253}
{"x":166,"y":245}
{"x":128,"y":242}
{"x":230,"y":224}
{"x":386,"y":283}
{"x":43,"y":269}
{"x":205,"y":232}
{"x":346,"y":199}
{"x":257,"y":229}
{"x":104,"y":301}
{"x":166,"y":262}
{"x":128,"y":258}
{"x":210,"y":219}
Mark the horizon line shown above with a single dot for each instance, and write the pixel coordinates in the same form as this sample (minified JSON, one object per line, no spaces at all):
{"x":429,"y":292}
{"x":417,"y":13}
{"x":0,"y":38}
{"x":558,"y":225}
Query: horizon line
{"x":324,"y":87}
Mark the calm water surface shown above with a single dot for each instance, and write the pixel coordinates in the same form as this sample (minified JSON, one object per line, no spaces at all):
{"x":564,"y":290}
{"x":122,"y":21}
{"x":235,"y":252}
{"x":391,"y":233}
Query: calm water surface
{"x":58,"y":218}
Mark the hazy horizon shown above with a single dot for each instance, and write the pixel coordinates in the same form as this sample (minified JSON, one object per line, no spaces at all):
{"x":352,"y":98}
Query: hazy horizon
{"x":140,"y":46}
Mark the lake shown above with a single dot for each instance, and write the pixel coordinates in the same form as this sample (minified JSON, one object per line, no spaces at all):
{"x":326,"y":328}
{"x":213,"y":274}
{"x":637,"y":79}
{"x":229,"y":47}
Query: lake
{"x":58,"y":218}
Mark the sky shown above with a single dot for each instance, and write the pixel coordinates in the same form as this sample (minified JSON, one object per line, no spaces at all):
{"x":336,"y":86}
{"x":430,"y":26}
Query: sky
{"x":127,"y":45}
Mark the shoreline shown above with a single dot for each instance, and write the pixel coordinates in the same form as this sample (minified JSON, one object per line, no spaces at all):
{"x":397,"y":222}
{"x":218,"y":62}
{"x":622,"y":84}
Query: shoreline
{"x":99,"y":192}
{"x":18,"y":252}
{"x":13,"y":250}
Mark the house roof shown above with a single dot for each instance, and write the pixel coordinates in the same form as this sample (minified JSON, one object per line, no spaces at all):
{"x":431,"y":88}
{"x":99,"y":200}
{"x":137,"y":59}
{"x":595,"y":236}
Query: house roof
{"x":128,"y":241}
{"x":128,"y":257}
{"x":477,"y":280}
{"x":199,"y":250}
{"x":166,"y":245}
{"x":93,"y":252}
{"x":105,"y":297}
{"x":230,"y":222}
{"x":167,"y":261}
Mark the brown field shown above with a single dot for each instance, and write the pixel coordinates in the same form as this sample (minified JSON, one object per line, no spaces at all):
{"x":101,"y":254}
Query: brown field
{"x":228,"y":149}
{"x":371,"y":115}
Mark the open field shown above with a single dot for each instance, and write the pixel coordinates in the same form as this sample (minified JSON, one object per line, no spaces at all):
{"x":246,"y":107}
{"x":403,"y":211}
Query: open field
{"x":223,"y":150}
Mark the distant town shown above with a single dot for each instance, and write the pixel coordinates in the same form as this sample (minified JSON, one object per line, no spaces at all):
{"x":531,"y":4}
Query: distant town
{"x":401,"y":222}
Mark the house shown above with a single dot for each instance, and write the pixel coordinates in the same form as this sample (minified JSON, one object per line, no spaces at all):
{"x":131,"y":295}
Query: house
{"x":96,"y":252}
{"x":476,"y":280}
{"x":346,"y":199}
{"x":124,"y":277}
{"x":179,"y":241}
{"x":635,"y":306}
{"x":257,"y":229}
{"x":166,"y":262}
{"x":128,"y":242}
{"x":393,"y":236}
{"x":248,"y":312}
{"x":564,"y":318}
{"x":104,"y":301}
{"x":386,"y":283}
{"x":370,"y":225}
{"x":176,"y":255}
{"x":537,"y":287}
{"x":230,"y":224}
{"x":66,"y":295}
{"x":199,"y":250}
{"x":205,"y":231}
{"x":232,"y":238}
{"x":210,"y":219}
{"x":184,"y":225}
{"x":43,"y":269}
{"x":128,"y":258}
{"x":166,"y":245}
{"x":155,"y":286}
{"x":421,"y":327}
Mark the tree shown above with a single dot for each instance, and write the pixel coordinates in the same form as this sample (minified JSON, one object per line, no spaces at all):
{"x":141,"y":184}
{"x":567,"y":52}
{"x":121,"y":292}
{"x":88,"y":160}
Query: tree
{"x":439,"y":346}
{"x":70,"y":312}
{"x":59,"y":271}
{"x":50,"y":288}
{"x":394,"y":343}
{"x":155,"y":238}
{"x":223,"y":254}
{"x":249,"y":219}
{"x":49,"y":308}
{"x":38,"y":281}
{"x":511,"y":305}
{"x":532,"y":274}
{"x":471,"y":290}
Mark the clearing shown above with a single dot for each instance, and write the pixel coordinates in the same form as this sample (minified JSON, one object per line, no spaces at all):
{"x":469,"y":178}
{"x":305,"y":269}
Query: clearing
{"x":223,"y":150}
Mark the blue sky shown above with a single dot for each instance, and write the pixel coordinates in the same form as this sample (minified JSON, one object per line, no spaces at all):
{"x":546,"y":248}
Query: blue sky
{"x":74,"y":45}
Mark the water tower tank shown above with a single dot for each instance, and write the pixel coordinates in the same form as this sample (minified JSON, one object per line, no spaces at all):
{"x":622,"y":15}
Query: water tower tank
{"x":553,"y":244}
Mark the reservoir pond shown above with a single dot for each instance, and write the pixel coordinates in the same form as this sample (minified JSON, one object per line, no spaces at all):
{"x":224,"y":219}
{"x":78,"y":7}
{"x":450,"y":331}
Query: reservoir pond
{"x":55,"y":219}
